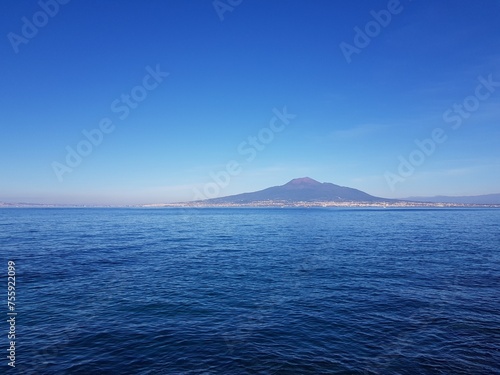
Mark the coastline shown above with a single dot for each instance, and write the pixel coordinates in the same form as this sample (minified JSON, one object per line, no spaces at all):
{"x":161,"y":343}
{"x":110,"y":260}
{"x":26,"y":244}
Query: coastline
{"x":264,"y":204}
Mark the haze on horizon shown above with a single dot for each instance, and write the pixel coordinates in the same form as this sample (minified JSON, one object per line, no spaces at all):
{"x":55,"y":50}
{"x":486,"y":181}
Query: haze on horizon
{"x":157,"y":102}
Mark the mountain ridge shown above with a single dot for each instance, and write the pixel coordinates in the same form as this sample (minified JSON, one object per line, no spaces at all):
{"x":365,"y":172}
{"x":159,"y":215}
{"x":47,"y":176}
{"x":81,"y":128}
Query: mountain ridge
{"x":307,"y":190}
{"x":303,"y":191}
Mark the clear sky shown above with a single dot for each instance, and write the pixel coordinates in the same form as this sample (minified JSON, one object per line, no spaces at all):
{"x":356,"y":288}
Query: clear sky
{"x":169,"y":92}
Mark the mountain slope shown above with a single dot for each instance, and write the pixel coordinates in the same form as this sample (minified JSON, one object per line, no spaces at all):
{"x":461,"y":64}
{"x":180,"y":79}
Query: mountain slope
{"x":301,"y":190}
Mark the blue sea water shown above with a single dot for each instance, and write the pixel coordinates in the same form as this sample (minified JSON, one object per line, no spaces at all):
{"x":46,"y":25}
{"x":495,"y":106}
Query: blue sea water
{"x":253,"y":291}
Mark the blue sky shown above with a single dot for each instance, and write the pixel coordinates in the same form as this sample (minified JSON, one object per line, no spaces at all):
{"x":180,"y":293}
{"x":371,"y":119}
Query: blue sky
{"x":354,"y":117}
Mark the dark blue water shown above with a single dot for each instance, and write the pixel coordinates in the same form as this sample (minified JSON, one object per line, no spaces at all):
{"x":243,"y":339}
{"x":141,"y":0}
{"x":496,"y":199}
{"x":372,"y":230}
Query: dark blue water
{"x":253,"y":291}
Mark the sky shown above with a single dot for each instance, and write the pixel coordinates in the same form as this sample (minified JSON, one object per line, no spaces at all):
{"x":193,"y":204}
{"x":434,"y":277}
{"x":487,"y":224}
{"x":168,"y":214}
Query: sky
{"x":138,"y":102}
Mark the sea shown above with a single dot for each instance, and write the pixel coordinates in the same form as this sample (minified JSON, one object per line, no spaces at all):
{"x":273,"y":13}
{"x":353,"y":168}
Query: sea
{"x":251,"y":291}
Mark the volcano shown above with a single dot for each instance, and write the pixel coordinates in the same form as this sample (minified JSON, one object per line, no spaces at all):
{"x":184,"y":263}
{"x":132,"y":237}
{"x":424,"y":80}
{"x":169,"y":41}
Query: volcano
{"x":303,"y":189}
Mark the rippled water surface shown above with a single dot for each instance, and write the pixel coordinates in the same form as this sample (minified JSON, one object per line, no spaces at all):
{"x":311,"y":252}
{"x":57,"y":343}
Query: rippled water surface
{"x":254,"y":291}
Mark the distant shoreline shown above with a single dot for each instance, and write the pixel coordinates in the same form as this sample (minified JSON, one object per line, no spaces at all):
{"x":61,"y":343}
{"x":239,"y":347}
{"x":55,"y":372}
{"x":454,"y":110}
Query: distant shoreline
{"x":379,"y":205}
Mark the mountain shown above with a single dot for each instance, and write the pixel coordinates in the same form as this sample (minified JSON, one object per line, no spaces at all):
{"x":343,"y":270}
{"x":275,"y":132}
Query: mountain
{"x":301,"y":190}
{"x":476,"y":199}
